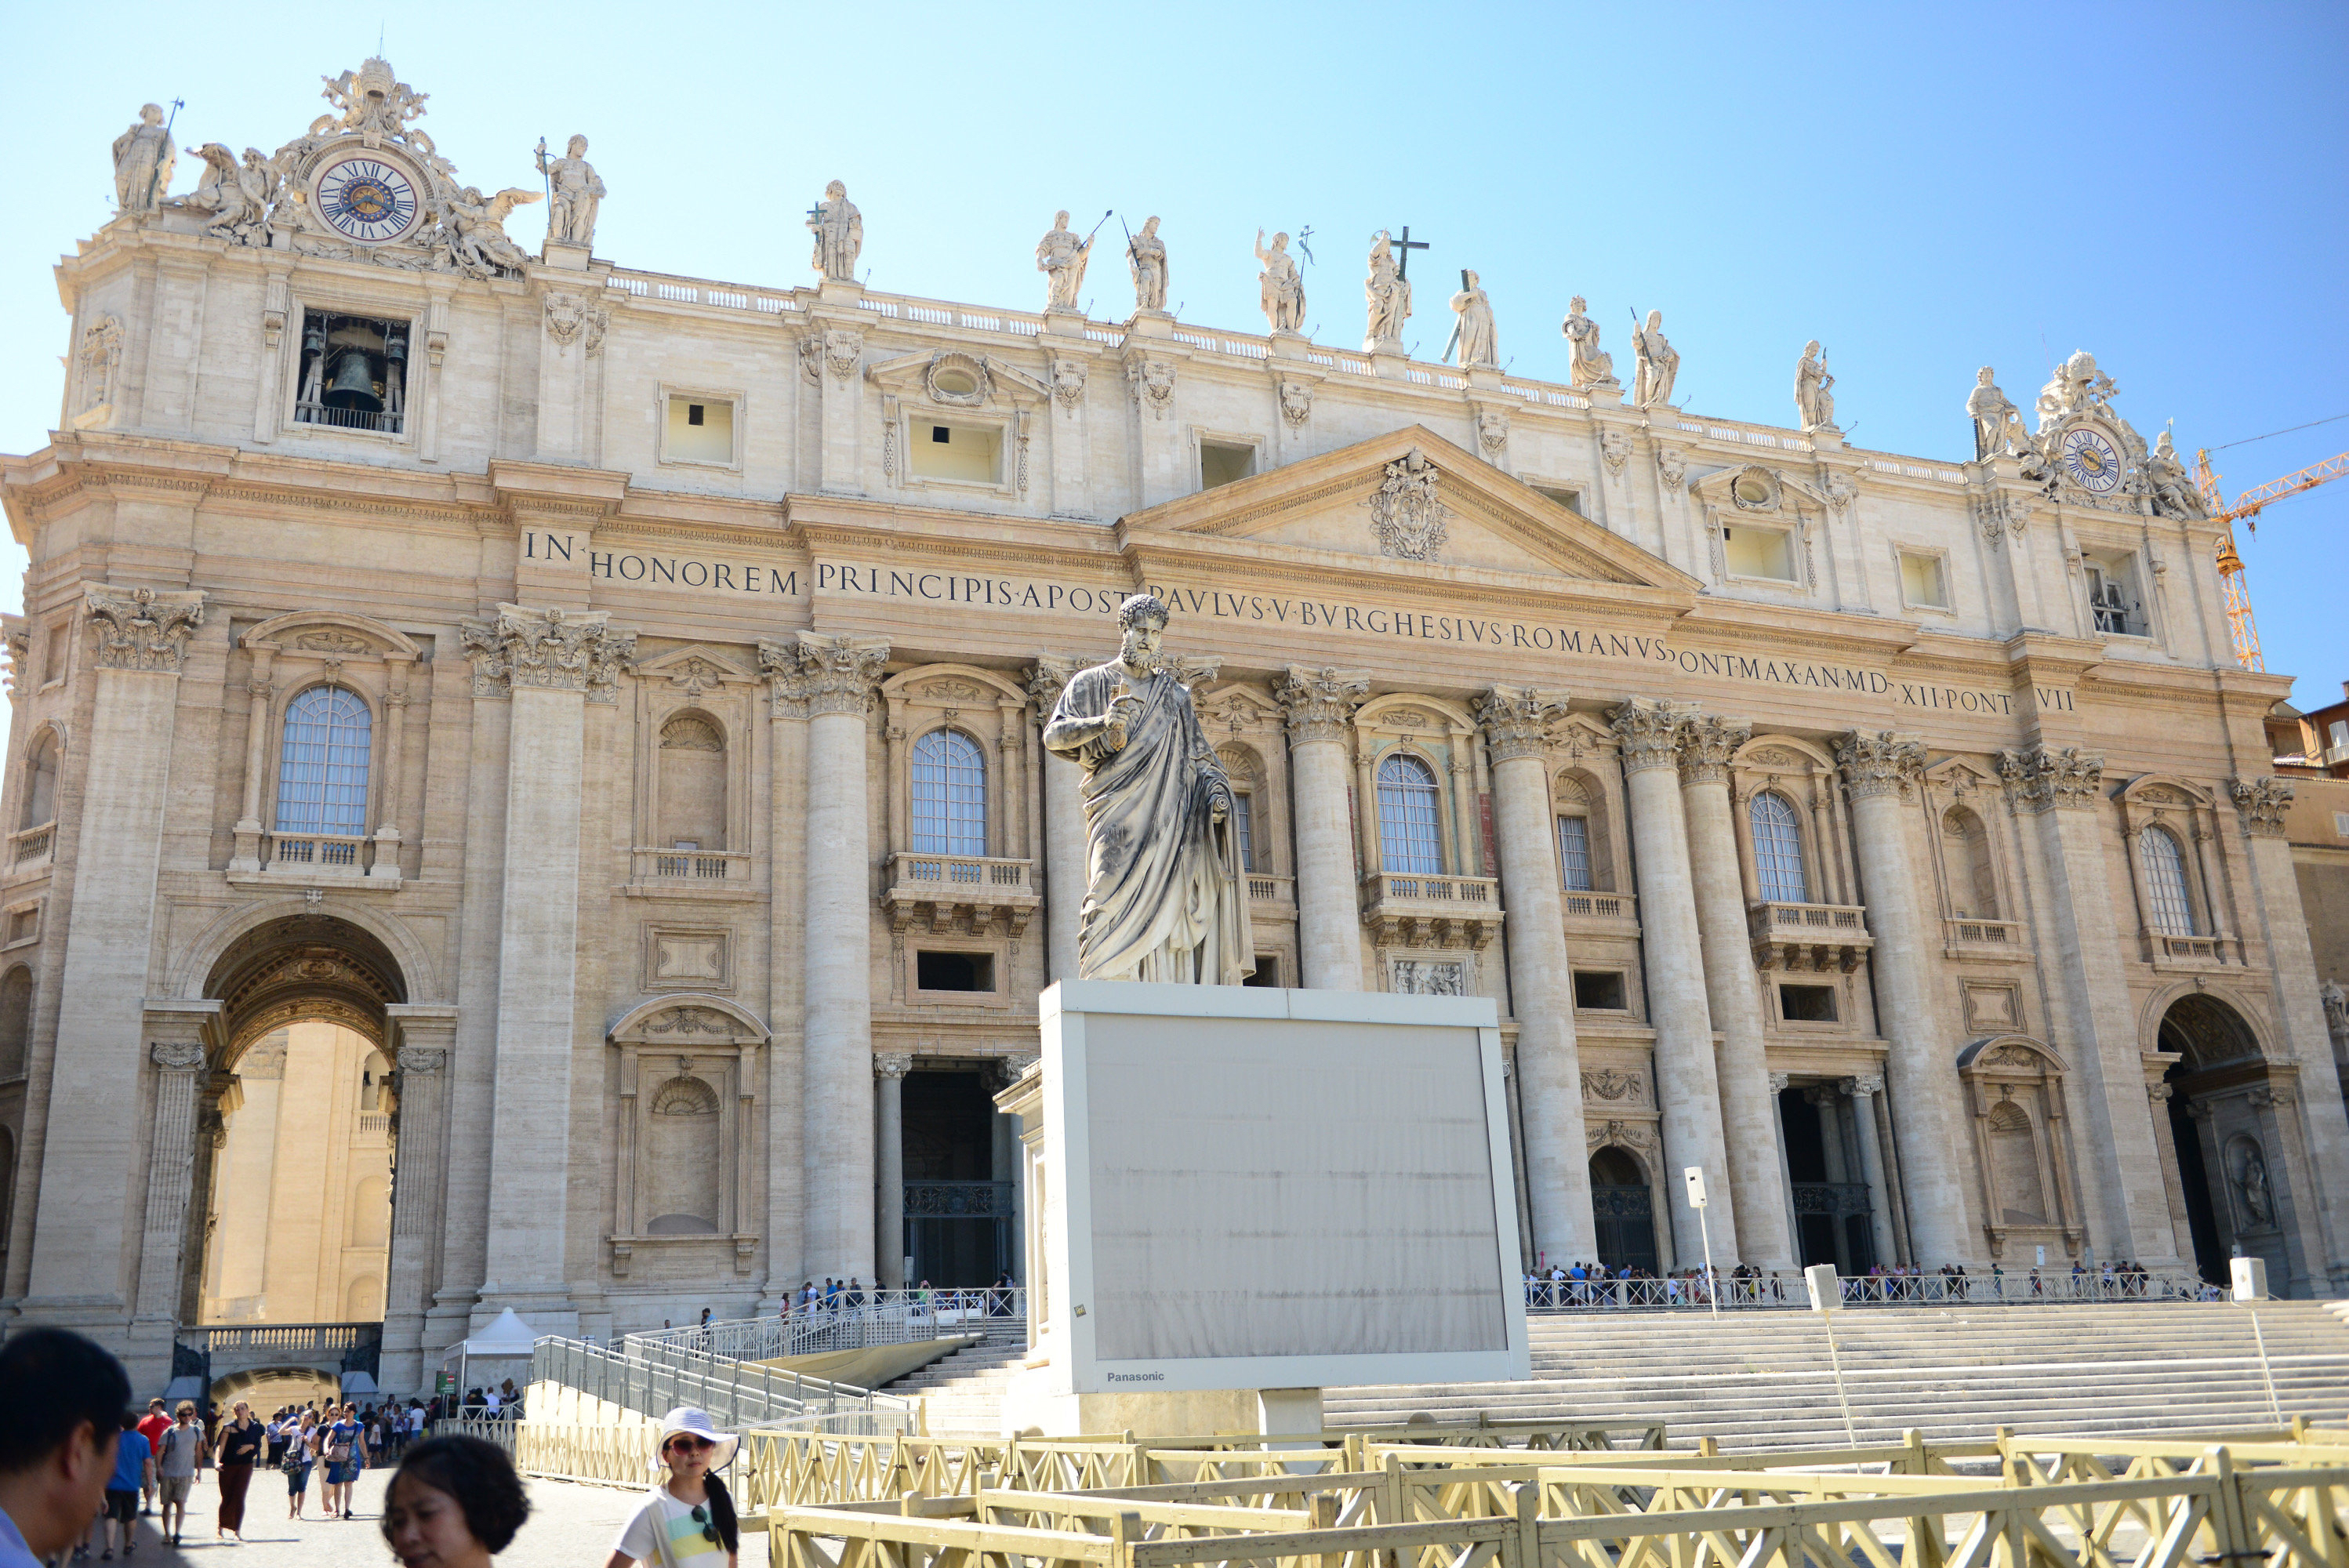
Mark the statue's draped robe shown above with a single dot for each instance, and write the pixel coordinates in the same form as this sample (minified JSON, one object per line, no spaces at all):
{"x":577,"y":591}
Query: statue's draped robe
{"x":1166,"y":898}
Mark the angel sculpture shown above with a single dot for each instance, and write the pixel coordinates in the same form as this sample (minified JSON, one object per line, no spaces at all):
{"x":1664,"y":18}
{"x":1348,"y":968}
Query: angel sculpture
{"x":238,"y":197}
{"x":477,"y":230}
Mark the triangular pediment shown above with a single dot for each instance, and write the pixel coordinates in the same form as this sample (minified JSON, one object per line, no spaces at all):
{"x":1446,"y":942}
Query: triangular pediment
{"x":1411,"y":499}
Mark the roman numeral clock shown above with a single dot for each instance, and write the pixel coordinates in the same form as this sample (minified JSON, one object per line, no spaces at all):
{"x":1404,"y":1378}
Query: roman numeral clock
{"x":2090,"y":461}
{"x":367,"y":197}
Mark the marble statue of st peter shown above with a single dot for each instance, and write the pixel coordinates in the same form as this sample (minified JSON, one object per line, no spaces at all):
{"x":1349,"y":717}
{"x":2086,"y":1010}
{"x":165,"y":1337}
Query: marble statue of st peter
{"x":1168,"y":896}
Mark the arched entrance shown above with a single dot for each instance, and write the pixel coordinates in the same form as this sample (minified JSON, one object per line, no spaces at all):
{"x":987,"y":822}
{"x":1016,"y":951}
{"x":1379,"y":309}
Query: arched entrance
{"x":1623,"y":1204}
{"x":292,"y":1208}
{"x":2232,"y":1138}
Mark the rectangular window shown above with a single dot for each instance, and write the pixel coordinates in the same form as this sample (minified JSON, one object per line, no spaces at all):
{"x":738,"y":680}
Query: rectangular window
{"x":1921,"y":581}
{"x":1268,"y":972}
{"x":1750,"y":551}
{"x":1221,"y":462}
{"x":1574,"y":853}
{"x":2340,"y":736}
{"x":2111,"y":603}
{"x":1807,"y":1003}
{"x":2341,"y":824}
{"x":956,"y":452}
{"x":354,"y":372}
{"x":1599,"y":991}
{"x":53,"y":661}
{"x":954,"y":971}
{"x":1569,"y":499}
{"x":1243,"y":828}
{"x":24,"y":924}
{"x":700,"y":430}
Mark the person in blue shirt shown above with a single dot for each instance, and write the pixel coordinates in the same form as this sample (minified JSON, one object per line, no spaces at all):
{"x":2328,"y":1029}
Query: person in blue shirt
{"x":64,"y":1397}
{"x":134,"y":1472}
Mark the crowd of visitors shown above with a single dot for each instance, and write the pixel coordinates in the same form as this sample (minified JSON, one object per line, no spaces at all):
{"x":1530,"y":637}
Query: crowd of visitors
{"x":1583,"y":1284}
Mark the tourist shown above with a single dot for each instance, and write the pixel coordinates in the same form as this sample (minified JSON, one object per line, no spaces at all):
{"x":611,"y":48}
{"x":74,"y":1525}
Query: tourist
{"x":704,"y":1318}
{"x":687,"y":1521}
{"x":134,"y":1471}
{"x":301,"y":1455}
{"x":454,"y":1502}
{"x":177,"y":1460}
{"x":242,"y":1441}
{"x":152,"y":1426}
{"x":343,"y":1446}
{"x":63,"y":1398}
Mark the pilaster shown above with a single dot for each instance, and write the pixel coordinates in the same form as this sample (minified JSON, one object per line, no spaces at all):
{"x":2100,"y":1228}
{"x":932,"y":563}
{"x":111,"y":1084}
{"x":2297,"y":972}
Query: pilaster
{"x":1066,"y":873}
{"x":1320,"y":705}
{"x":1151,"y":367}
{"x":889,"y":1069}
{"x":1864,"y":1092}
{"x":1071,"y":361}
{"x":426,"y":1041}
{"x":831,"y":356}
{"x":176,"y":1046}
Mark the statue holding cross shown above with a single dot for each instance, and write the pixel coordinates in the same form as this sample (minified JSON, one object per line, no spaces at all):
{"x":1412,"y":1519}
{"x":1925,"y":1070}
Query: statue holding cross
{"x":1387,"y":294}
{"x":839,"y":231}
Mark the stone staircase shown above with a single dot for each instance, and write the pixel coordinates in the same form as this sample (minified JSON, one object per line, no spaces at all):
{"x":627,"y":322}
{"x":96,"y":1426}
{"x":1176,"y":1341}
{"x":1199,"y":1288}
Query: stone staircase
{"x":963,"y":1390}
{"x":1762,"y":1379}
{"x":1757,"y":1380}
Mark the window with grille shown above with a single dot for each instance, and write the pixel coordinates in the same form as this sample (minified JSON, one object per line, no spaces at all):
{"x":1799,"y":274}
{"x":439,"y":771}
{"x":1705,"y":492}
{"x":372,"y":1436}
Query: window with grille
{"x":1778,"y":851}
{"x":1574,"y":853}
{"x":1407,"y":817}
{"x":322,"y":771}
{"x":1244,"y":827}
{"x":2164,"y":884}
{"x":949,"y":794}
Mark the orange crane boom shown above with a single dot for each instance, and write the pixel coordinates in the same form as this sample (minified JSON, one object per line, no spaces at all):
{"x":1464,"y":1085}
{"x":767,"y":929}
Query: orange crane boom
{"x":2246,"y":510}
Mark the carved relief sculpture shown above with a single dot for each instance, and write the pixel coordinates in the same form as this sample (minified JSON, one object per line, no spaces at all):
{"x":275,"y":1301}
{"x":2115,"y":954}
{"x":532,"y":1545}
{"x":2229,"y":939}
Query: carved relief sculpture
{"x":1588,"y":366}
{"x":143,"y":159}
{"x":1167,"y":895}
{"x":1388,"y":295}
{"x":1061,"y":255}
{"x":1146,"y":256}
{"x":1280,"y":287}
{"x":477,"y":226}
{"x":1406,"y":514}
{"x":1813,"y":399}
{"x":141,"y":629}
{"x":577,"y":193}
{"x":1492,"y":433}
{"x":1154,"y":384}
{"x":2261,"y":803}
{"x":839,"y":231}
{"x":1295,"y":402}
{"x":1479,"y":338}
{"x":237,"y":196}
{"x":1659,"y":364}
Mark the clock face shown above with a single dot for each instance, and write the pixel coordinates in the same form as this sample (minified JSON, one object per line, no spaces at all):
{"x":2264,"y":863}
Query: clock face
{"x":2091,"y":462}
{"x":367,"y":200}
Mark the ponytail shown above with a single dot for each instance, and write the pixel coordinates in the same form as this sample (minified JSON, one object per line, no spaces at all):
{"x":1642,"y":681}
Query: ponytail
{"x":721,"y":1512}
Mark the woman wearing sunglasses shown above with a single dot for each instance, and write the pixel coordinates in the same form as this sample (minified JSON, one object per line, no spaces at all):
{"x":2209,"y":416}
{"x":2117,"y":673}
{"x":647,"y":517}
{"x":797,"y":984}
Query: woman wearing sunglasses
{"x":687,"y":1521}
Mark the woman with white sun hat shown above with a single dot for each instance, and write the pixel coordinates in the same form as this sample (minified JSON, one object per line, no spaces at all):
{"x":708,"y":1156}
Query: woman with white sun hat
{"x":688,"y":1519}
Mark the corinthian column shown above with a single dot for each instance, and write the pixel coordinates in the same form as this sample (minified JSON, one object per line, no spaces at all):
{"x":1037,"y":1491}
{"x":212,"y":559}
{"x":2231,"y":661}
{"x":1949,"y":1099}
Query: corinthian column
{"x":1879,"y":773}
{"x":889,"y":1070}
{"x":838,"y":674}
{"x":550,"y":663}
{"x":1065,"y":869}
{"x":1549,"y":1062}
{"x":139,"y":641}
{"x":1687,"y":1090}
{"x":420,"y":1166}
{"x":1320,"y":704}
{"x":1863,"y":1092}
{"x":1749,"y":1112}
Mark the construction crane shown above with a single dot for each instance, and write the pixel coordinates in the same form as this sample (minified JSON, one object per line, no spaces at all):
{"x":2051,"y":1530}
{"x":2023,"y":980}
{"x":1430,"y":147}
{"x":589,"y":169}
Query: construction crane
{"x":2247,"y":509}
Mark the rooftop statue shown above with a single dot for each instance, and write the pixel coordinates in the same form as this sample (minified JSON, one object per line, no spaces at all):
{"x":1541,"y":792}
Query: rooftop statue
{"x":1998,"y":423}
{"x":1659,"y":364}
{"x":236,"y":197}
{"x":1062,"y":255}
{"x":1280,"y":286}
{"x":839,"y":231}
{"x":1167,"y":896}
{"x":478,"y":229}
{"x":1479,"y":339}
{"x":143,"y":156}
{"x":1812,"y":396}
{"x":1146,"y":252}
{"x":1588,"y":366}
{"x":1387,"y":294}
{"x":578,"y":192}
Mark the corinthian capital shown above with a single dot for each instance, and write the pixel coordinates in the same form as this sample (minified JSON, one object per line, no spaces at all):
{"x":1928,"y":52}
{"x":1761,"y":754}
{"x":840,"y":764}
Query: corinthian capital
{"x":892,"y":1064}
{"x":1047,"y":678}
{"x":1884,"y":763}
{"x":140,"y":629}
{"x":827,"y":674}
{"x":551,"y":649}
{"x":1517,"y":719}
{"x":2041,"y":779}
{"x":1651,"y":732}
{"x":2261,"y":802}
{"x":1319,"y":702}
{"x":1706,"y":745}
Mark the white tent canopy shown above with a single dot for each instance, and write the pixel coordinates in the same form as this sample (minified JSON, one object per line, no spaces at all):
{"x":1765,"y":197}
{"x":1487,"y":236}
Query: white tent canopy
{"x":509,"y":1338}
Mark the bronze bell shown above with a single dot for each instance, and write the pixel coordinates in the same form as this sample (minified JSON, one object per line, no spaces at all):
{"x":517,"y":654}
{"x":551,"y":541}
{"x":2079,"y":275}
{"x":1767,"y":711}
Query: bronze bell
{"x":354,"y":384}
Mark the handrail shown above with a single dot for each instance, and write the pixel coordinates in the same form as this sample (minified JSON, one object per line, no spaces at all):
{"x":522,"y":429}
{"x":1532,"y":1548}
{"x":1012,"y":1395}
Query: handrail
{"x":1784,"y":1290}
{"x":653,"y":1378}
{"x":849,"y":1321}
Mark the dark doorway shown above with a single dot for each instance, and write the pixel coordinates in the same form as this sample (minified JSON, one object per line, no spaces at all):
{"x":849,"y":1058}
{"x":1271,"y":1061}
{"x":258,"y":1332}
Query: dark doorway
{"x":1833,"y":1221}
{"x":958,"y":1215}
{"x":1624,"y":1207}
{"x":1807,"y":1166}
{"x":2194,"y":1181}
{"x":2217,"y":1056}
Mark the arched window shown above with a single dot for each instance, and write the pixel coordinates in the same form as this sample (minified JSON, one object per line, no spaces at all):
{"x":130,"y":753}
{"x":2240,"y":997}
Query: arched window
{"x":692,"y":784}
{"x":1408,"y":839}
{"x":41,"y":782}
{"x":2165,"y":884}
{"x":1778,"y":851}
{"x":1965,"y":845}
{"x":16,"y":1021}
{"x":949,"y":794}
{"x":322,"y":772}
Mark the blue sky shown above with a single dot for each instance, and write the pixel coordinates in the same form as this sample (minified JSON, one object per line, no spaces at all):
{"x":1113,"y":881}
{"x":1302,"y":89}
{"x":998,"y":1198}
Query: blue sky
{"x":1926,"y":189}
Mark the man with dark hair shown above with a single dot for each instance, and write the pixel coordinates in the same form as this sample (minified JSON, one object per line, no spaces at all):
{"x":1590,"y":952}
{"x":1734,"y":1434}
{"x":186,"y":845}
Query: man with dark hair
{"x":134,"y":1469}
{"x":64,"y":1397}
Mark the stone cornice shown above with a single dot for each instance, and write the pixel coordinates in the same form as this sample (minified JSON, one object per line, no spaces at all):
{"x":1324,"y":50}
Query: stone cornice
{"x":1706,"y":745}
{"x":140,"y":628}
{"x":1517,"y":720}
{"x":1884,"y":763}
{"x":1320,"y":702}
